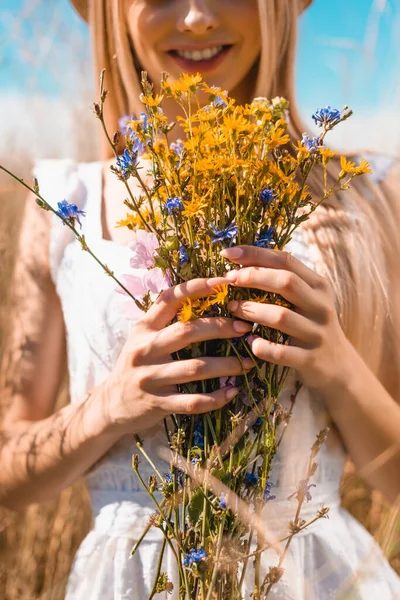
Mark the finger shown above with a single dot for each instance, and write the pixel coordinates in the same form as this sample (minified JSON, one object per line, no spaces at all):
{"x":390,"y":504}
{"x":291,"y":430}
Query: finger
{"x":277,"y":317}
{"x":194,"y":404}
{"x":170,"y":301}
{"x":179,"y":335}
{"x":197,"y":369}
{"x":274,"y":259}
{"x":279,"y":354}
{"x":286,"y":283}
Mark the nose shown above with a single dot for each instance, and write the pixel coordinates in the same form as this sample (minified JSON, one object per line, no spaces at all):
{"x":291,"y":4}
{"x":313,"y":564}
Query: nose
{"x":198,"y":18}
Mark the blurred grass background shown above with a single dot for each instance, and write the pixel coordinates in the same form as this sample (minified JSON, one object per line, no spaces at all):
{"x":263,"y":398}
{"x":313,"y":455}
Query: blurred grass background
{"x":37,"y":546}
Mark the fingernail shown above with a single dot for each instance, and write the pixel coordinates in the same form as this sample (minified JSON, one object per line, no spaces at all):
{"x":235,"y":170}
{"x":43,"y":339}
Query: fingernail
{"x":241,"y":326}
{"x":231,"y":393}
{"x":251,"y":339}
{"x":248,"y":363}
{"x":233,"y":305}
{"x":235,"y":252}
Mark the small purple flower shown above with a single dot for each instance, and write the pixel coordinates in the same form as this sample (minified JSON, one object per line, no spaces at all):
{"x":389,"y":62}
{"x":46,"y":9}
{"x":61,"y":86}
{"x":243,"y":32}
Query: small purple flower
{"x":267,"y":492}
{"x":311,"y":144}
{"x":173,"y":204}
{"x":222,"y":235}
{"x":251,"y":479}
{"x":303,"y":490}
{"x":194,"y":557}
{"x":69,"y":212}
{"x":127,"y":163}
{"x":183,"y":255}
{"x":123,"y":124}
{"x":178,"y":148}
{"x":267,"y":195}
{"x":138,"y":147}
{"x":144,"y":119}
{"x":219,"y":102}
{"x":327,"y":116}
{"x":264,"y":238}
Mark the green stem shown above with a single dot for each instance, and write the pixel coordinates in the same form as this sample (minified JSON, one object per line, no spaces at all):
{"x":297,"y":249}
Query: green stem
{"x":216,"y":565}
{"x":80,"y":238}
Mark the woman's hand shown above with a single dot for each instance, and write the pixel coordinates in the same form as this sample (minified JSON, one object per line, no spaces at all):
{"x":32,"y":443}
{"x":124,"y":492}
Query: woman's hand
{"x":319,"y":349}
{"x":142,"y":388}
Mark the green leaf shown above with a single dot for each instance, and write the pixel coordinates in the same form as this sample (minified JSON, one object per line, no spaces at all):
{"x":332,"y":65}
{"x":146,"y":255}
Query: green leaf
{"x":195,"y":507}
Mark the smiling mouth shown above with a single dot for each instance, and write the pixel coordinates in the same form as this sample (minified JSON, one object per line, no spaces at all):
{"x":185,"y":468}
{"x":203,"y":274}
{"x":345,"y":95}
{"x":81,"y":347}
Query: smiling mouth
{"x":200,"y":55}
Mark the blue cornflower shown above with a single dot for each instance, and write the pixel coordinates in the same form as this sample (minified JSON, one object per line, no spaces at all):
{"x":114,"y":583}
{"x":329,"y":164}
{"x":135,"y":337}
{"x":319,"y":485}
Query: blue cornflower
{"x":264,"y":238}
{"x":194,"y":556}
{"x":183,"y":256}
{"x":222,"y":501}
{"x":173,"y":204}
{"x":267,"y":492}
{"x":127,"y":162}
{"x":267,"y":195}
{"x":228,"y":234}
{"x":327,"y":116}
{"x":311,"y":143}
{"x":69,"y":212}
{"x":257,"y":424}
{"x":251,"y":479}
{"x":219,"y":103}
{"x":169,"y":477}
{"x":178,"y":148}
{"x":198,"y":433}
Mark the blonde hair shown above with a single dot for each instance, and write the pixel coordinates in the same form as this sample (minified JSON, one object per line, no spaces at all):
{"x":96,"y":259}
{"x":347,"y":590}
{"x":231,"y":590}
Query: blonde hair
{"x":354,"y":234}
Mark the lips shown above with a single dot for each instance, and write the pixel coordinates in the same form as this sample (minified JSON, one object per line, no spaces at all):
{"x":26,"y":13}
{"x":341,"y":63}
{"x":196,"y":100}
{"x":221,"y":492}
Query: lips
{"x":206,"y":58}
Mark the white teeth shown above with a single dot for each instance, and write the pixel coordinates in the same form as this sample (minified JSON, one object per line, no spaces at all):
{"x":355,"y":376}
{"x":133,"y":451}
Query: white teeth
{"x":197,"y":55}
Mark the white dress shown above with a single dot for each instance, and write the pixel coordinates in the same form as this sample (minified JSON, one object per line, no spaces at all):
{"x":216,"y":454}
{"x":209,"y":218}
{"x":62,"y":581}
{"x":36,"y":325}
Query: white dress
{"x":334,"y":558}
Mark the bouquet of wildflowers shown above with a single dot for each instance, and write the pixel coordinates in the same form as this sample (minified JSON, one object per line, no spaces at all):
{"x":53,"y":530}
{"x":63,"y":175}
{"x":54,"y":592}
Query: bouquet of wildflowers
{"x":235,"y":179}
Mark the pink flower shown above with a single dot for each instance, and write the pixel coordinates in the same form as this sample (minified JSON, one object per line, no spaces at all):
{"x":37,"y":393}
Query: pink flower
{"x":143,"y":249}
{"x":153,"y":281}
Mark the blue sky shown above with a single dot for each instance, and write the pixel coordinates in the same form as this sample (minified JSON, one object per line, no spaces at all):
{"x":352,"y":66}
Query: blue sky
{"x":334,"y":67}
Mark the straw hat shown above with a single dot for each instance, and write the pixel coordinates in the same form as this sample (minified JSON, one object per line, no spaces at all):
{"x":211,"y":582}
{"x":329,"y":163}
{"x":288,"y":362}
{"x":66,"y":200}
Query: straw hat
{"x":82,"y":7}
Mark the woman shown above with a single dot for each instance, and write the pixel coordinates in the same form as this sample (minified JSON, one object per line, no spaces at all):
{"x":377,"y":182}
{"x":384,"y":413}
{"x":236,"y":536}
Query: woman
{"x":344,"y":326}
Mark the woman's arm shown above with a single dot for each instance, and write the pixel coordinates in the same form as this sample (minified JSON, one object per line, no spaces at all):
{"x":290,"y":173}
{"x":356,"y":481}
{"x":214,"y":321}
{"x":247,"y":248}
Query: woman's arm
{"x":367,"y":416}
{"x":41,"y":453}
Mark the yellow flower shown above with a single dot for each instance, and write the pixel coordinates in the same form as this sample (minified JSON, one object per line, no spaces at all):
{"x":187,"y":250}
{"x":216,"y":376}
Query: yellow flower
{"x":152,"y":100}
{"x":326,"y":154}
{"x":236,"y":122}
{"x":194,"y":207}
{"x":185,"y":313}
{"x":278,"y":137}
{"x":183,"y":85}
{"x":363,"y":168}
{"x":349,"y":167}
{"x":220,"y":294}
{"x":302,"y":152}
{"x":133,"y":220}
